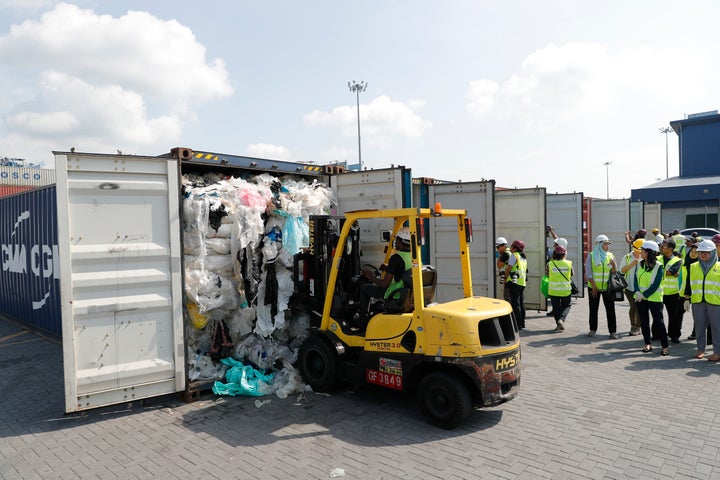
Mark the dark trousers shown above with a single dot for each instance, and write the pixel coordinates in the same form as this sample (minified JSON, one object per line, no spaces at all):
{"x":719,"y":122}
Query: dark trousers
{"x":674,"y":306}
{"x":368,"y":291}
{"x":560,"y":307}
{"x":645,"y":309}
{"x":609,"y":302}
{"x":517,"y":300}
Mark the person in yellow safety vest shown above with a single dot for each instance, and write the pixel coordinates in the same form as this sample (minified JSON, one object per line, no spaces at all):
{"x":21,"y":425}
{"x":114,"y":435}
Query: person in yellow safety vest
{"x":502,"y":255}
{"x":600,"y":263}
{"x":649,"y":276}
{"x":673,"y":284}
{"x":559,"y":271}
{"x":680,"y":247}
{"x":515,"y":280}
{"x":381,"y":286}
{"x":627,"y":268}
{"x":703,"y":291}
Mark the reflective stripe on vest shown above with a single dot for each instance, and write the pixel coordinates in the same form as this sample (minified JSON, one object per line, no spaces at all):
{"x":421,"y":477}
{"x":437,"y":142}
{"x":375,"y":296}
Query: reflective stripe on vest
{"x":394,"y":285}
{"x":644,"y":279}
{"x":705,"y":288}
{"x":671,"y":285}
{"x":601,"y":273}
{"x":559,"y":272}
{"x":520,"y":268}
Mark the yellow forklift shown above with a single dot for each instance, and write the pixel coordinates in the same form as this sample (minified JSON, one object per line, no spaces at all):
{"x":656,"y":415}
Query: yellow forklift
{"x":455,"y":355}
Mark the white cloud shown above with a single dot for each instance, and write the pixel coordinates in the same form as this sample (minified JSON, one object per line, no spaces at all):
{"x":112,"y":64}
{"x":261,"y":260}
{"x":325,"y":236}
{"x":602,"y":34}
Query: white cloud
{"x":379,"y":120}
{"x":126,"y":82}
{"x":265,"y":150}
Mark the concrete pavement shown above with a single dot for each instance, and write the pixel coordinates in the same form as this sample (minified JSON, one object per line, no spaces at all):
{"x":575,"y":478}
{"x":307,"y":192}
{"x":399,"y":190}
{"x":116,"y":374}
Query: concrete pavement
{"x":587,"y":408}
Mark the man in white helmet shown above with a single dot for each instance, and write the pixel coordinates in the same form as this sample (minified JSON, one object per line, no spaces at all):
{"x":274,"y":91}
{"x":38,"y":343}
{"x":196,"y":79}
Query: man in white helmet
{"x":391,"y":280}
{"x":502,"y":255}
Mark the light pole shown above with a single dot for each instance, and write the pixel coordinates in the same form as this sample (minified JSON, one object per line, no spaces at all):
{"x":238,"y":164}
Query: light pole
{"x":357,"y":88}
{"x":607,"y":179}
{"x":666,"y":130}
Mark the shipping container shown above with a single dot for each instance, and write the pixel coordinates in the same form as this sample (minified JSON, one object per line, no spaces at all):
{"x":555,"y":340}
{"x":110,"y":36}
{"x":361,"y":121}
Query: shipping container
{"x":30,"y":278}
{"x":27,"y":177}
{"x":7,"y":190}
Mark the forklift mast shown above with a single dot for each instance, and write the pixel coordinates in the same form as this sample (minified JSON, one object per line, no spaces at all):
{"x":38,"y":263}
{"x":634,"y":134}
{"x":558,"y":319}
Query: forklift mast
{"x":311,"y":267}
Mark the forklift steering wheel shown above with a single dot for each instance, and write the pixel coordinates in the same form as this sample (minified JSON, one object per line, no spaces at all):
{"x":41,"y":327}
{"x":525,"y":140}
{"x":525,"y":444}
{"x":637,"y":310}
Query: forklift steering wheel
{"x":367,"y":266}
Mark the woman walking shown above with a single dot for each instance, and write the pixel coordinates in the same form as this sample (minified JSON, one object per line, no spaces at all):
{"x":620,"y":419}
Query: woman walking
{"x":559,"y":271}
{"x":649,"y":275}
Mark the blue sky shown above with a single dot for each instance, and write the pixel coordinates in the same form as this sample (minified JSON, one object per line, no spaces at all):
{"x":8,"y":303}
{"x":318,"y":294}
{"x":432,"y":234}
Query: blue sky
{"x":527,"y":93}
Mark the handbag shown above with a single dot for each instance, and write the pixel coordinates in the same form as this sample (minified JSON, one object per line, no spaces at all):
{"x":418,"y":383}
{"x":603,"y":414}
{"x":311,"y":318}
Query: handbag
{"x":617,"y":282}
{"x":544,"y":285}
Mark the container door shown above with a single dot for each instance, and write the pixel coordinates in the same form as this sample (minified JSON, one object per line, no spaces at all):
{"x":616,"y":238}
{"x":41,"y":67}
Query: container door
{"x":477,"y":198}
{"x":520,"y":215}
{"x":564,"y":213}
{"x":653,"y":216}
{"x":611,"y":218}
{"x":373,"y":190}
{"x":121,"y":283}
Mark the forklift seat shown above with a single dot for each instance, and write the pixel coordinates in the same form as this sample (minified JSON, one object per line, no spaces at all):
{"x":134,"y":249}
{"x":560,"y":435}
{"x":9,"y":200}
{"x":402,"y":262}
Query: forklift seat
{"x":405,"y":303}
{"x":429,"y":281}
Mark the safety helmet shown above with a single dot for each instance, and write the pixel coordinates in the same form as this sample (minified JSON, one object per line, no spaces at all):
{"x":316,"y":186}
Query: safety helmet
{"x":706,"y":246}
{"x":404,"y":234}
{"x":562,"y":242}
{"x":518,"y":244}
{"x":500,"y":241}
{"x":560,"y":250}
{"x":650,"y":245}
{"x":656,"y":230}
{"x":637,"y":244}
{"x":716,"y":239}
{"x":602,"y":239}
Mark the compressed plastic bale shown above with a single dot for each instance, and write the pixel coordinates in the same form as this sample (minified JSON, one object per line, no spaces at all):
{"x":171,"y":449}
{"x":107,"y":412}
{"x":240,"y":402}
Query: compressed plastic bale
{"x":225,"y":231}
{"x":215,"y":263}
{"x":217,"y":246}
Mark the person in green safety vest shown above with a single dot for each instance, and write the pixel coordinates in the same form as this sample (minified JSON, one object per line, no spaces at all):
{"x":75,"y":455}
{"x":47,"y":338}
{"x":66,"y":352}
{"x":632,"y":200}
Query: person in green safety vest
{"x":649,"y":276}
{"x":600,"y":263}
{"x":703,"y":291}
{"x":380,"y":286}
{"x":559,"y":271}
{"x":673,"y":287}
{"x":515,"y":280}
{"x":627,"y":267}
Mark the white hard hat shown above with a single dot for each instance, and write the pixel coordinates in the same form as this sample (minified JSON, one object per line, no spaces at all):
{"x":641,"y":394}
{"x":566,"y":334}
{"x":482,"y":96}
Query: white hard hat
{"x":500,"y":241}
{"x":706,"y":246}
{"x":602,"y":238}
{"x":404,"y":234}
{"x":650,"y":245}
{"x":562,"y":242}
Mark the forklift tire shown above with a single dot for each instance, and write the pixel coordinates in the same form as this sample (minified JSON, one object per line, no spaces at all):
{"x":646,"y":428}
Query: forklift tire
{"x":444,"y":399}
{"x":319,"y":364}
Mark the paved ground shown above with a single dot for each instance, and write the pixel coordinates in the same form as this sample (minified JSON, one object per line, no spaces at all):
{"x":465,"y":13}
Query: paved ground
{"x":588,"y":408}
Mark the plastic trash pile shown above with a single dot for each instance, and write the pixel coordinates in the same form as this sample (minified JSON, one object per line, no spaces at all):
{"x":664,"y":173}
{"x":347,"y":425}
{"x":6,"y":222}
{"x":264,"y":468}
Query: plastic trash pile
{"x":239,"y":238}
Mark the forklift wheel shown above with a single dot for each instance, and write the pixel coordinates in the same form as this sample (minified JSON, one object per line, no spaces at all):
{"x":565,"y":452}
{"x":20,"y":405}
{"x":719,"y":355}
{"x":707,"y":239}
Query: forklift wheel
{"x":319,"y":364}
{"x":444,"y":399}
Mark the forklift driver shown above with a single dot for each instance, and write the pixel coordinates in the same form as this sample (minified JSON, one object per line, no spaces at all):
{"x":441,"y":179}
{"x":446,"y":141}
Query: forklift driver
{"x":379,"y":287}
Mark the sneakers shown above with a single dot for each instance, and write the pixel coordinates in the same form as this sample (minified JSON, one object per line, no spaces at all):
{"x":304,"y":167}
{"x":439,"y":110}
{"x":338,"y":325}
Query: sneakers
{"x":635,"y":331}
{"x":692,"y":337}
{"x":614,"y":336}
{"x":560,"y":326}
{"x":591,"y":333}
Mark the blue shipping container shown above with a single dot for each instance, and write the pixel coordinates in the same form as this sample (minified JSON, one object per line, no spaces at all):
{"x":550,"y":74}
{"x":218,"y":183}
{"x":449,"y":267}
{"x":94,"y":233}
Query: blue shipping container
{"x":30,"y":277}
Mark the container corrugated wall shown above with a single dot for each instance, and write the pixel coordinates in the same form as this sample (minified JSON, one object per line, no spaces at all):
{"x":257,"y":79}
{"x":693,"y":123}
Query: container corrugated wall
{"x":27,"y":177}
{"x":30,"y":276}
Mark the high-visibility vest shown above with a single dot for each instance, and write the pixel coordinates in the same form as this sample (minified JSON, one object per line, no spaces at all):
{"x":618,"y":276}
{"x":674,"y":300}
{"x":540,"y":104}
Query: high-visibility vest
{"x":680,"y":245}
{"x":644,"y":279}
{"x":559,"y":272}
{"x":705,"y":288}
{"x":630,"y":274}
{"x":520,"y":269}
{"x":394,"y":285}
{"x":671,"y":285}
{"x":601,"y":273}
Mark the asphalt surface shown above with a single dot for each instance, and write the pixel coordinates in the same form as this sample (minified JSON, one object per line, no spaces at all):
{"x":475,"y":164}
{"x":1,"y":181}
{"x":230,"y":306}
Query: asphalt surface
{"x":587,"y":408}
